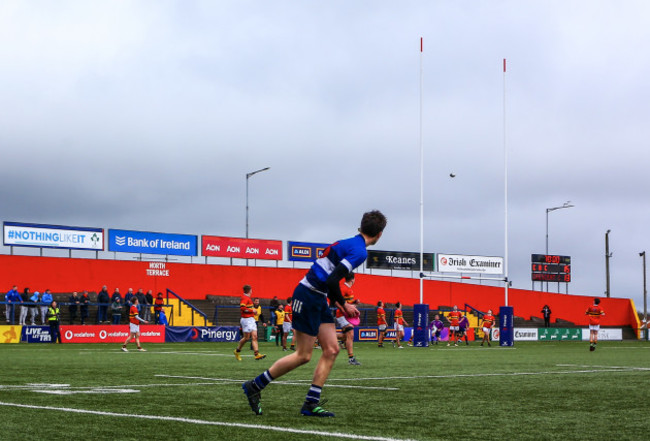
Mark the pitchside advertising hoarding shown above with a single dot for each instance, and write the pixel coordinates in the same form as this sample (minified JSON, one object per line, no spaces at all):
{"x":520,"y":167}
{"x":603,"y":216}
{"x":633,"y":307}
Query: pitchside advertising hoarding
{"x":53,"y":236}
{"x":234,"y":247}
{"x":305,"y":251}
{"x":398,"y":260}
{"x":458,"y":263}
{"x":145,"y":242}
{"x":110,"y":333}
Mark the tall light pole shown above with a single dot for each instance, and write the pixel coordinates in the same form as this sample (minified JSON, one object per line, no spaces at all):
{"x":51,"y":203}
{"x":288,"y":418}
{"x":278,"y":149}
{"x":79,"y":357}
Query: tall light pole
{"x":645,"y":296}
{"x":567,"y":204}
{"x":248,"y":175}
{"x":607,"y":256}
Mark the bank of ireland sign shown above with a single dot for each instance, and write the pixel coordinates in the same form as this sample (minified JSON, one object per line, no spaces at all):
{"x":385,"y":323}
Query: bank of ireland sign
{"x":145,"y":242}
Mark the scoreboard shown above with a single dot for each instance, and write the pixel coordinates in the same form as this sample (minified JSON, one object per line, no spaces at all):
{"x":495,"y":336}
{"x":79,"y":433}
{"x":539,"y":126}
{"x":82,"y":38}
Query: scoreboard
{"x":550,"y":268}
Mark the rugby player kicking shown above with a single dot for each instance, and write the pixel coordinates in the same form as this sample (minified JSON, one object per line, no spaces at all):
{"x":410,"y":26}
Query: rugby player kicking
{"x":313,"y":319}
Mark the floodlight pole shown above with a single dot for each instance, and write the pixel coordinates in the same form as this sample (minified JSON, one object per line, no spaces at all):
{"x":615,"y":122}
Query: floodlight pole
{"x":248,"y":175}
{"x":645,"y":295}
{"x":567,"y":204}
{"x":607,"y":257}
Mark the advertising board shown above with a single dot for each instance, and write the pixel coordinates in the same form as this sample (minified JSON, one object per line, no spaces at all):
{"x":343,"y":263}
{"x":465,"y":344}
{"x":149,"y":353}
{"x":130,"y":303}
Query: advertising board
{"x":399,"y":260}
{"x":110,"y":333}
{"x":53,"y":236}
{"x":304,"y":251}
{"x":457,"y":263}
{"x":145,"y":242}
{"x":235,"y":247}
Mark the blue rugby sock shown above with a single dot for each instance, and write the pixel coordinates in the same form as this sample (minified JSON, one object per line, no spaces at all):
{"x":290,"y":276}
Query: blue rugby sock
{"x":313,"y":396}
{"x":263,"y":380}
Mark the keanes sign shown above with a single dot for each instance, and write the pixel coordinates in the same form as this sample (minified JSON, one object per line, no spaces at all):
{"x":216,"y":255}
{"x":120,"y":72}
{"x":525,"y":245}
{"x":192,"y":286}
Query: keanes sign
{"x":397,"y":260}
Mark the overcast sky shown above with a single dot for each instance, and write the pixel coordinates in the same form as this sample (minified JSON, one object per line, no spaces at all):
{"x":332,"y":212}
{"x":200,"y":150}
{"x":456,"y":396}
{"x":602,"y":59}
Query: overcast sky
{"x":147,"y":115}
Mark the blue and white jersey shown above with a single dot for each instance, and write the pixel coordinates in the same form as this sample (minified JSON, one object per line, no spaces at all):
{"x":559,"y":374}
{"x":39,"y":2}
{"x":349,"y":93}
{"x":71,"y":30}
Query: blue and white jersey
{"x":350,"y":252}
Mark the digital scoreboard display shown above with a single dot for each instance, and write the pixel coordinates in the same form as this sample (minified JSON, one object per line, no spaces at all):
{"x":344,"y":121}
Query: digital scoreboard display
{"x":549,"y":277}
{"x":550,"y":268}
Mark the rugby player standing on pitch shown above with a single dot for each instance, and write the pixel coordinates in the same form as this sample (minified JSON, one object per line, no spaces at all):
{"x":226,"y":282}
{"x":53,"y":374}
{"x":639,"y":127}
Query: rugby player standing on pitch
{"x":313,"y":319}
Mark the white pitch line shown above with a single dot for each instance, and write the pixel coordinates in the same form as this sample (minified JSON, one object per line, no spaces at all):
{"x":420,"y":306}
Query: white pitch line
{"x":605,"y":367}
{"x":504,"y":374}
{"x":287,"y":383}
{"x":207,"y":423}
{"x":57,"y":387}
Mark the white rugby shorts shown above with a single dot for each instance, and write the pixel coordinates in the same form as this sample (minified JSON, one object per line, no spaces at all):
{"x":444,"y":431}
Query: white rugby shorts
{"x":454,"y":328}
{"x":399,"y":327}
{"x":133,"y":328}
{"x":248,"y":324}
{"x":594,"y":327}
{"x":343,"y":322}
{"x":487,"y":331}
{"x":286,"y":327}
{"x":382,"y":328}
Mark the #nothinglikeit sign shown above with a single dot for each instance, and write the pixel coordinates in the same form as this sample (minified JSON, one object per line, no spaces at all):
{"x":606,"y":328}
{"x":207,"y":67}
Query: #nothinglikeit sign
{"x":145,"y":242}
{"x":53,"y":236}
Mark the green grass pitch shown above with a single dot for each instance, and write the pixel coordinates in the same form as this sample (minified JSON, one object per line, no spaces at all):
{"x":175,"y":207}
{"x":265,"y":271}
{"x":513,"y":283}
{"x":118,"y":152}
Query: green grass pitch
{"x":532,"y":391}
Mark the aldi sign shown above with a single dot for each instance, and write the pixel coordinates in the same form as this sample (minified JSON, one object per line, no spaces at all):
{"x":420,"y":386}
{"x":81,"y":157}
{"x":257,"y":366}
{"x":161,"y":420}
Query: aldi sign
{"x":127,"y":241}
{"x":305,"y":251}
{"x":53,"y":236}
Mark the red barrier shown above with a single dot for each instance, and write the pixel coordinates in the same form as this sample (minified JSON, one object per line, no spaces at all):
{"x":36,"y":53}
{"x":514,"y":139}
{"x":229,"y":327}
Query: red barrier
{"x":195,"y":281}
{"x":110,"y":333}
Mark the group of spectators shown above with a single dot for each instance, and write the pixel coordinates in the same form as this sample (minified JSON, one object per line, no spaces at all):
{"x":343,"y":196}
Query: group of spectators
{"x":36,"y":304}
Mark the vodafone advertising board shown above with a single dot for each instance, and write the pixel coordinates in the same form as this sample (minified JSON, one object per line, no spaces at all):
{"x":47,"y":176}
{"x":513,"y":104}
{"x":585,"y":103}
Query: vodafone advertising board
{"x":110,"y":333}
{"x":218,"y":246}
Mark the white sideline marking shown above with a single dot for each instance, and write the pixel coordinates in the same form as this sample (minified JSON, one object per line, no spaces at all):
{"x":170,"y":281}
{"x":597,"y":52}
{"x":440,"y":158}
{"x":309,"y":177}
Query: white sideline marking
{"x":207,"y":423}
{"x":605,"y":367}
{"x":503,"y":374}
{"x":122,"y":386}
{"x":288,"y":383}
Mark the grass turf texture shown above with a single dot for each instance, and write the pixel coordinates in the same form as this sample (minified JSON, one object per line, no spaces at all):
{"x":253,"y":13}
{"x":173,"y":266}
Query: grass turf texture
{"x":534,"y":391}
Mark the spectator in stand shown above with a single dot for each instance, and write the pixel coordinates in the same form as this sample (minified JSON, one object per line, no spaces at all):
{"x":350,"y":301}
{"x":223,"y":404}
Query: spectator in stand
{"x":103,"y":302}
{"x":147,"y":310}
{"x":85,"y":301}
{"x":115,"y":295}
{"x":53,"y":319}
{"x":127,"y":297}
{"x":33,"y":308}
{"x":24,"y":307}
{"x":11,"y":298}
{"x":157,"y":309}
{"x":74,"y":301}
{"x":116,"y":310}
{"x":546,"y":312}
{"x":142,"y":301}
{"x":46,"y":301}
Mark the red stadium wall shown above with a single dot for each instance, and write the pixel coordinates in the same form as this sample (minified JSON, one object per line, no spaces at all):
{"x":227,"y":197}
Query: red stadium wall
{"x":195,"y":281}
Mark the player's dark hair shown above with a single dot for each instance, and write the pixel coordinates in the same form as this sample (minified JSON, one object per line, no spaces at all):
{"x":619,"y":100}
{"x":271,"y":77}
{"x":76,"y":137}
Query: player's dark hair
{"x":596,"y":301}
{"x":372,"y":223}
{"x":349,"y":277}
{"x":289,"y":300}
{"x":379,"y":303}
{"x":398,"y":305}
{"x":247,"y":289}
